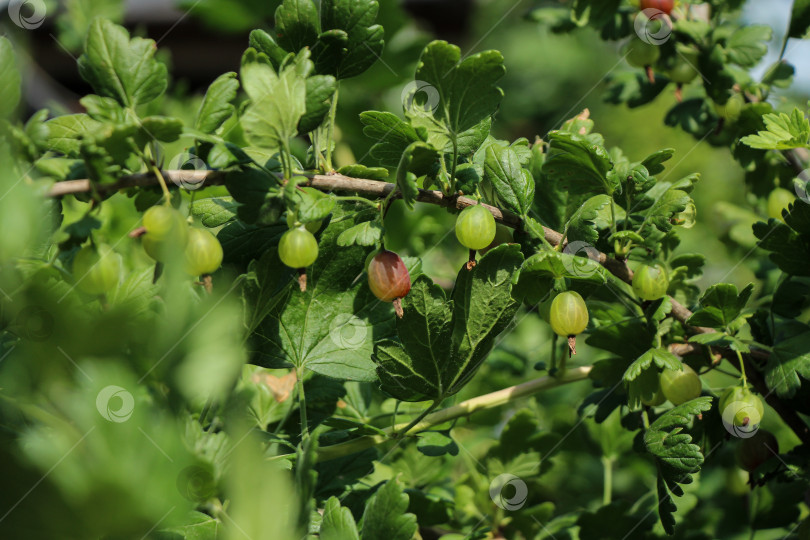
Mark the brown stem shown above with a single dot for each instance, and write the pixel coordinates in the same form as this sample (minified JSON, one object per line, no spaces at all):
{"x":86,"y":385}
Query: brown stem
{"x":135,"y":233}
{"x":398,"y":307}
{"x":650,"y":74}
{"x":572,"y":346}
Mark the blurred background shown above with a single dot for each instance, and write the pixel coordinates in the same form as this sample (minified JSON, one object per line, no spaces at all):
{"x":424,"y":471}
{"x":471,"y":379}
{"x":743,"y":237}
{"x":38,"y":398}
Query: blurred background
{"x":550,"y":77}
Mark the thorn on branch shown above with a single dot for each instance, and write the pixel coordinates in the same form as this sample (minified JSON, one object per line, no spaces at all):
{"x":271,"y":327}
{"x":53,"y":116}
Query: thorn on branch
{"x":302,"y":279}
{"x":471,"y":263}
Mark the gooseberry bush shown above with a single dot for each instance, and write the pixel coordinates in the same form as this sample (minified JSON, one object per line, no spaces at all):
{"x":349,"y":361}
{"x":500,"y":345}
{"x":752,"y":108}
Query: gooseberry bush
{"x":228,"y":349}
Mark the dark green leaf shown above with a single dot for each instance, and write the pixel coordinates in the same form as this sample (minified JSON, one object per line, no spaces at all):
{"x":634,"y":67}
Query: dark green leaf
{"x":64,"y":133}
{"x":435,"y":444}
{"x":309,"y":329}
{"x":356,"y":45}
{"x":579,"y":164}
{"x":582,"y":227}
{"x":367,"y":233}
{"x":392,"y":134}
{"x":467,"y":89}
{"x":513,"y":184}
{"x":800,"y":19}
{"x":297,"y":24}
{"x":720,"y":305}
{"x":338,"y":523}
{"x":215,"y":211}
{"x":119,"y":67}
{"x":654,"y":163}
{"x":553,"y":264}
{"x":411,"y":370}
{"x":320,"y":92}
{"x":789,"y":361}
{"x":217,"y":105}
{"x":385,"y":515}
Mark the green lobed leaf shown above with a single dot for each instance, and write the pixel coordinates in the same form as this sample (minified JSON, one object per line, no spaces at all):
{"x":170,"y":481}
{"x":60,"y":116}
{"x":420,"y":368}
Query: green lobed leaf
{"x":443,"y":342}
{"x":277,"y":100}
{"x":259,"y":195}
{"x":782,"y":132}
{"x":330,"y":328}
{"x":483,"y":307}
{"x":435,"y":444}
{"x":641,"y":377}
{"x":677,"y":457}
{"x":64,"y":133}
{"x":393,"y":136}
{"x":654,"y":163}
{"x":788,"y":364}
{"x":578,"y":164}
{"x":367,"y":233}
{"x":297,"y":24}
{"x":121,"y":68}
{"x":553,"y":264}
{"x":789,"y":250}
{"x":661,"y":358}
{"x":338,"y":523}
{"x":582,"y":225}
{"x":320,"y":90}
{"x":215,"y":211}
{"x":467,"y":89}
{"x":748,"y":44}
{"x":217,"y":105}
{"x":197,"y":526}
{"x":312,"y":204}
{"x":720,"y":306}
{"x":264,"y":43}
{"x":386,"y":514}
{"x":411,"y":370}
{"x":350,"y":42}
{"x":513,"y":184}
